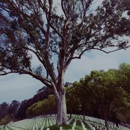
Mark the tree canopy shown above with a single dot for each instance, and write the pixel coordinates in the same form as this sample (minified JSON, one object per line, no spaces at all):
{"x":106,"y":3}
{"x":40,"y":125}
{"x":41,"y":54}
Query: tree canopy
{"x":35,"y":28}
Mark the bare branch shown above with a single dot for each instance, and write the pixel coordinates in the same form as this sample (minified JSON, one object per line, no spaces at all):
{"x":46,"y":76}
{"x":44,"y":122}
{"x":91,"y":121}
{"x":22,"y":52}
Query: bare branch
{"x":62,"y":6}
{"x":44,"y":80}
{"x":6,"y":73}
{"x":107,"y":52}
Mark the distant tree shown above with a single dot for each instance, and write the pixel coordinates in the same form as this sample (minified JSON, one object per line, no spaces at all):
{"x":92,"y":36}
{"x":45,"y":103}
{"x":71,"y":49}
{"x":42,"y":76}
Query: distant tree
{"x":35,"y":28}
{"x":8,"y":112}
{"x":21,"y":114}
{"x":85,"y":95}
{"x":6,"y":119}
{"x":40,"y":95}
{"x":72,"y":100}
{"x":47,"y":106}
{"x":13,"y":108}
{"x":68,"y":84}
{"x":3,"y":109}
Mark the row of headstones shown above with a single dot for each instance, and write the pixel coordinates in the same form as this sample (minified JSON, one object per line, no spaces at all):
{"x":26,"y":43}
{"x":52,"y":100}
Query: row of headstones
{"x":34,"y":124}
{"x":48,"y":122}
{"x":96,"y":122}
{"x":74,"y":124}
{"x":92,"y":127}
{"x":41,"y":125}
{"x":31,"y":124}
{"x":100,"y":125}
{"x":73,"y":127}
{"x":6,"y":127}
{"x":83,"y":126}
{"x":23,"y":123}
{"x":13,"y":127}
{"x":100,"y":121}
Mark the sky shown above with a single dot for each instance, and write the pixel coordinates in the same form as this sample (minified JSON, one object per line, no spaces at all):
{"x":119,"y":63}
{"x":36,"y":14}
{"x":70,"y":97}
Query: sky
{"x":22,"y":87}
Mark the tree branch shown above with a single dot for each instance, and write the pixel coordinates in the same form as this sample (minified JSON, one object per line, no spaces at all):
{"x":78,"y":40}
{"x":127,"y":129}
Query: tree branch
{"x":62,"y":6}
{"x":44,"y":80}
{"x":87,"y":49}
{"x":50,"y":68}
{"x":39,"y":77}
{"x":6,"y":73}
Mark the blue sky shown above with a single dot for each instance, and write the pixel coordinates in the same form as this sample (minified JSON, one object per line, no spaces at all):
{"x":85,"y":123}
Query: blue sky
{"x":21,"y":87}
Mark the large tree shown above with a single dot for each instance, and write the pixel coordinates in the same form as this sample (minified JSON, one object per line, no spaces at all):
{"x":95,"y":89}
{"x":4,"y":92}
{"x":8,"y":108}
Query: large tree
{"x":110,"y":98}
{"x":34,"y":28}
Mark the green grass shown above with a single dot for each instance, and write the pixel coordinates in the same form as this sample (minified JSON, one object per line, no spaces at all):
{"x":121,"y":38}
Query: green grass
{"x":86,"y":126}
{"x":72,"y":121}
{"x":78,"y":122}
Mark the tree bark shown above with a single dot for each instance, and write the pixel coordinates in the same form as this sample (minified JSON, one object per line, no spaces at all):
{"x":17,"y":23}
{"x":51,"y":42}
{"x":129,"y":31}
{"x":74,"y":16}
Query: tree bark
{"x":61,"y":109}
{"x":106,"y":123}
{"x":61,"y":101}
{"x":70,"y":116}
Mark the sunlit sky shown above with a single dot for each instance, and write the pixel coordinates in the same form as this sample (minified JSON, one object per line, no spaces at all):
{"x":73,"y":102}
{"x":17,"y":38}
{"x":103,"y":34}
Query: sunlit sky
{"x":21,"y":87}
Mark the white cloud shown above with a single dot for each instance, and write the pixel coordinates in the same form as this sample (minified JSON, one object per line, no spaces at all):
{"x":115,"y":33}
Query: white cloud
{"x":95,"y":60}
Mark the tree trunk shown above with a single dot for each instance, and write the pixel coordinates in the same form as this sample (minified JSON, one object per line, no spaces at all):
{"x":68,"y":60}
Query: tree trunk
{"x":106,"y":123}
{"x":83,"y":111}
{"x":70,"y":116}
{"x":61,"y":101}
{"x":61,"y":109}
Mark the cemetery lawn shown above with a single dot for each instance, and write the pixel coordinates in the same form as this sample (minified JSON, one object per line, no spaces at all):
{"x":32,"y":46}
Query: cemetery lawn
{"x":65,"y":127}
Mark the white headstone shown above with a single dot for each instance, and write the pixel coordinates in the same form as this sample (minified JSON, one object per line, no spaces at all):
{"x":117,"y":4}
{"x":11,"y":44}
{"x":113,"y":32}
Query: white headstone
{"x":73,"y":128}
{"x":93,"y":128}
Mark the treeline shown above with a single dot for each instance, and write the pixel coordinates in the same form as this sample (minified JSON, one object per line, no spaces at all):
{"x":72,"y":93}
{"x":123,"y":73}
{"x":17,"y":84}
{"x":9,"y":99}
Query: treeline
{"x":17,"y":111}
{"x":102,"y":94}
{"x":8,"y":112}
